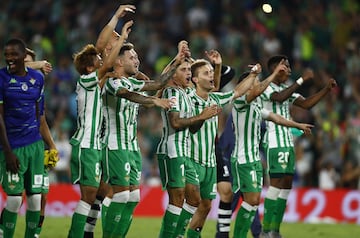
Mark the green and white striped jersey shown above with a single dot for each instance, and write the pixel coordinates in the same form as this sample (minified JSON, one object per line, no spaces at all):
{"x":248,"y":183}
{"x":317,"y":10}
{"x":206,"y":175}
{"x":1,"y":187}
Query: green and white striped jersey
{"x":121,"y":114}
{"x":202,"y":143}
{"x":247,"y":119}
{"x":276,"y":135}
{"x":174,"y":143}
{"x":89,"y":111}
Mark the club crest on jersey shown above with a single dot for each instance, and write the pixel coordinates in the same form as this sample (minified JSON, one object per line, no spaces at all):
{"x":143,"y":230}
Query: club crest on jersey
{"x":24,"y":87}
{"x":32,"y":81}
{"x":11,"y":186}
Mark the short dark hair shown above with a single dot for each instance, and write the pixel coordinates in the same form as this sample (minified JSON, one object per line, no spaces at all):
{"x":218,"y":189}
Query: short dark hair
{"x":18,"y":42}
{"x":274,"y":60}
{"x":125,"y":47}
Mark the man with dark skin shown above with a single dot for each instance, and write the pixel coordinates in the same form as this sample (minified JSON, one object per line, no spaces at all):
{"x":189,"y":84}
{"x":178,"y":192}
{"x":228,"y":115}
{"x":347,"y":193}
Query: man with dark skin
{"x":279,"y":142}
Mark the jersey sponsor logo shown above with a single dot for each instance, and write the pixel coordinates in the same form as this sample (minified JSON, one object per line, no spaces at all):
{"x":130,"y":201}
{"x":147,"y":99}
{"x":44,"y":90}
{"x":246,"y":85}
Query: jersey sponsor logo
{"x":172,"y":101}
{"x":32,"y":81}
{"x":12,"y":80}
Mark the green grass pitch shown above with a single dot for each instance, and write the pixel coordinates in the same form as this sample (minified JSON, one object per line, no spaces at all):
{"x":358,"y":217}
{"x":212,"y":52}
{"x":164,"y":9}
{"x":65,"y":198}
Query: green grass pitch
{"x":149,"y":227}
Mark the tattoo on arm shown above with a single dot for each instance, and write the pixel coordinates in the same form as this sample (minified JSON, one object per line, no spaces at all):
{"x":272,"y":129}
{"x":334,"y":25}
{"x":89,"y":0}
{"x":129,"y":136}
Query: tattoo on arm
{"x":263,"y":85}
{"x":165,"y":77}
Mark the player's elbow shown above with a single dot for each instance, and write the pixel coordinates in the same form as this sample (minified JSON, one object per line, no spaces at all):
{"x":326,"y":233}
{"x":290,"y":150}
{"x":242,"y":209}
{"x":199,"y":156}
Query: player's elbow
{"x":175,"y":124}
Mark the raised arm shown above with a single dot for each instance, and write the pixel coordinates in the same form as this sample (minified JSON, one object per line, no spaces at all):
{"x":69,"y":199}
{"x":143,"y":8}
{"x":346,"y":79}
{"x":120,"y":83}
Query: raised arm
{"x":106,"y":32}
{"x":309,"y":102}
{"x":286,"y":93}
{"x":161,"y":81}
{"x":259,"y":87}
{"x":242,"y":87}
{"x":288,"y":123}
{"x":42,"y":65}
{"x":216,"y":60}
{"x":109,"y":60}
{"x":170,"y":69}
{"x":183,"y":48}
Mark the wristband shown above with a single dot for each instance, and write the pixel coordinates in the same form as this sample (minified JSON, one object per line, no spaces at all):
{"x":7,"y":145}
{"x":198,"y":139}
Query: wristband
{"x":300,"y":81}
{"x":254,"y":69}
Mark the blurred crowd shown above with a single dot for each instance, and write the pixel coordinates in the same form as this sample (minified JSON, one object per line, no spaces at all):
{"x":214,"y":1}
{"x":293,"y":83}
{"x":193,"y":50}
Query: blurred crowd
{"x":323,"y":35}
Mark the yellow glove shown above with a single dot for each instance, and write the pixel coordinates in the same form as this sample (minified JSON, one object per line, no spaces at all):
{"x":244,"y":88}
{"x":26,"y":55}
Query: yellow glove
{"x":50,"y":158}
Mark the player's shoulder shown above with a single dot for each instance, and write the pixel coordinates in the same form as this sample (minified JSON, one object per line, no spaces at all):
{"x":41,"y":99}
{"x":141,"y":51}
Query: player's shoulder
{"x":134,"y":80}
{"x":34,"y":73}
{"x":171,"y":89}
{"x":3,"y":71}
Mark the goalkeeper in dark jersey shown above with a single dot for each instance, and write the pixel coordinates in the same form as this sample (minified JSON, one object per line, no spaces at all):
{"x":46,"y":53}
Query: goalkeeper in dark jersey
{"x":22,"y":152}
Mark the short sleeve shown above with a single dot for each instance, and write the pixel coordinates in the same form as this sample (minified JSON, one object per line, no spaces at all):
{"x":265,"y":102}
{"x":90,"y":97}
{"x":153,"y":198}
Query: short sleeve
{"x":240,"y":103}
{"x":113,"y":85}
{"x":137,"y":85}
{"x":89,"y":81}
{"x":265,"y":96}
{"x":223,"y":98}
{"x":294,"y":96}
{"x":174,"y":96}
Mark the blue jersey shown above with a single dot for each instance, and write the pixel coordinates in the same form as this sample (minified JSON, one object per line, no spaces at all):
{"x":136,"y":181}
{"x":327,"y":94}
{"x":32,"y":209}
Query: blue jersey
{"x":23,"y":102}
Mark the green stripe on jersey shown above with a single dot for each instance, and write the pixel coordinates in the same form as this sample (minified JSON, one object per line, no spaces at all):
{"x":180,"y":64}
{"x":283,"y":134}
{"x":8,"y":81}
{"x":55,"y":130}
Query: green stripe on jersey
{"x":89,"y":117}
{"x":174,"y":143}
{"x":276,"y":135}
{"x":121,"y":114}
{"x":202,"y":143}
{"x":247,"y":122}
